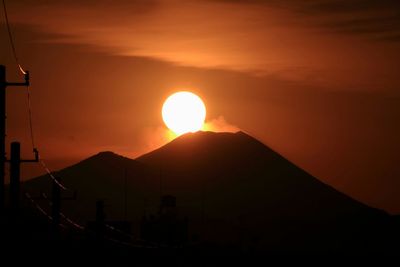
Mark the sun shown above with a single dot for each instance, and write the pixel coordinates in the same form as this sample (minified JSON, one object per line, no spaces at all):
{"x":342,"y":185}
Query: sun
{"x":184,"y":112}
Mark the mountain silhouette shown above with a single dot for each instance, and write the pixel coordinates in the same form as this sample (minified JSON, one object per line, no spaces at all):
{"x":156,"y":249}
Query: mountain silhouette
{"x":232,"y":189}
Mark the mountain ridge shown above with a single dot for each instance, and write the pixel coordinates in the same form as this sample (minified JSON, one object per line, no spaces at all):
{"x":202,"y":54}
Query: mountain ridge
{"x":261,"y":150}
{"x":226,"y":181}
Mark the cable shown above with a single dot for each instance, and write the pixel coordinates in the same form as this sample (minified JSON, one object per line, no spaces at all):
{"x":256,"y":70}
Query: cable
{"x":41,"y":161}
{"x":38,"y":207}
{"x":75,"y":224}
{"x":28,"y":95}
{"x":30,"y":117}
{"x":52,"y":176}
{"x":133,"y":238}
{"x":10,"y":36}
{"x":33,"y":139}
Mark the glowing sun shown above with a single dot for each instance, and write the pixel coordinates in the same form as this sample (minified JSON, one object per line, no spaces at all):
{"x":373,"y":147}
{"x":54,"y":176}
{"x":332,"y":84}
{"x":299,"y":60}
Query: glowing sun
{"x":184,"y":112}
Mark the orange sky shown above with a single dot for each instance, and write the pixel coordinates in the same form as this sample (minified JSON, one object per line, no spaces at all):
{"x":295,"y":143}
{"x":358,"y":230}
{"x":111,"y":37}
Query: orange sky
{"x":316,"y":80}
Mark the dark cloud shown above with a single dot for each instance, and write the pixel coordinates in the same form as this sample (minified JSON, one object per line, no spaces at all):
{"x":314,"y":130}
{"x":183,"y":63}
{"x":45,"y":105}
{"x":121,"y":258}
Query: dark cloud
{"x":375,"y":19}
{"x":346,"y":6}
{"x":133,"y":6}
{"x":327,"y":6}
{"x":377,"y":27}
{"x":372,"y":18}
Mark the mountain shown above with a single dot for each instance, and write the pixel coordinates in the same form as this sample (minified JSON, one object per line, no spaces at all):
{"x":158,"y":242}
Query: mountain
{"x":233,"y":189}
{"x":254,"y":188}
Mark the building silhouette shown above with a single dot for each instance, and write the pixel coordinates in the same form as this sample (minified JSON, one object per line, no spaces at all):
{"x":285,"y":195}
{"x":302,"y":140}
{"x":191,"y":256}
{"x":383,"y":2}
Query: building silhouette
{"x":166,"y":227}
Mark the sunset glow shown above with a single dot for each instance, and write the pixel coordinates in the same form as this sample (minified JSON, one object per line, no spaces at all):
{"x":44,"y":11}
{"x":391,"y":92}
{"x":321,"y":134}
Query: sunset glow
{"x":199,"y":132}
{"x":184,"y":112}
{"x":316,"y":80}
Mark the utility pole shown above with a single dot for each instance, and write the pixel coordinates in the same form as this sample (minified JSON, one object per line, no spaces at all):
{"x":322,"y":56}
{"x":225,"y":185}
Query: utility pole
{"x":15,"y":171}
{"x":125,"y":195}
{"x":55,"y":202}
{"x":15,"y":180}
{"x":100,"y":219}
{"x":3,"y":158}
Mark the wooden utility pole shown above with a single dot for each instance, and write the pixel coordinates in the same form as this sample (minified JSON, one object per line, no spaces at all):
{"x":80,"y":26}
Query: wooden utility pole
{"x":100,"y":219}
{"x":15,"y":171}
{"x":15,"y":175}
{"x":56,"y":203}
{"x":3,"y":158}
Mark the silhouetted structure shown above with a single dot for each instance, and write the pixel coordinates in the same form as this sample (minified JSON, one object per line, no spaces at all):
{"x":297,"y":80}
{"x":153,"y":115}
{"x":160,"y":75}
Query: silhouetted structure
{"x":15,"y":161}
{"x":15,"y":173}
{"x":3,"y":158}
{"x":118,"y":230}
{"x":2,"y":132}
{"x":15,"y":158}
{"x":166,"y":228}
{"x":100,"y":218}
{"x":56,"y":203}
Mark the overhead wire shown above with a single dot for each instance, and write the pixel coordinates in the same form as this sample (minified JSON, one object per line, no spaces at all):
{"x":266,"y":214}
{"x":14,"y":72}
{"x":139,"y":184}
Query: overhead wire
{"x":55,"y":180}
{"x":70,"y":221}
{"x":21,"y":69}
{"x":10,"y":36}
{"x":41,"y":161}
{"x":82,"y":228}
{"x":41,"y":210}
{"x":34,"y":148}
{"x":28,"y":93}
{"x":38,"y":207}
{"x":75,"y":224}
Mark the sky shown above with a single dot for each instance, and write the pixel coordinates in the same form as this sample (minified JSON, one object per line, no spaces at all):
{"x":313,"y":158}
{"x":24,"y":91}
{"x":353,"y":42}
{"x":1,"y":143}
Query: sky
{"x":315,"y":80}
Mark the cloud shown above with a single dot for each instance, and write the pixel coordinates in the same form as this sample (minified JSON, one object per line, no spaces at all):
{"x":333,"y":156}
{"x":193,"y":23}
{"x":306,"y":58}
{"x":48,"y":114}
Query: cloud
{"x":375,"y":19}
{"x":371,"y":18}
{"x":152,"y":138}
{"x":307,"y":41}
{"x":220,"y":125}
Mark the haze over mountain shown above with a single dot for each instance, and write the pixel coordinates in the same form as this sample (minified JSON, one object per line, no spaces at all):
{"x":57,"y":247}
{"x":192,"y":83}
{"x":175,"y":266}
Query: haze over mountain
{"x":232,"y":188}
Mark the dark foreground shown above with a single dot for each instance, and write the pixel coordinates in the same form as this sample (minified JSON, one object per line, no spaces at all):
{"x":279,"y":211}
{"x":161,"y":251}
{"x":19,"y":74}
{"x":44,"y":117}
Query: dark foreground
{"x":37,"y":243}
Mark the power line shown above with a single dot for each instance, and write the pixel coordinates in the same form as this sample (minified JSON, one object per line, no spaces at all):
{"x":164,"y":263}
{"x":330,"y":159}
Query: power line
{"x":41,"y":210}
{"x":75,"y":224}
{"x":35,"y":204}
{"x":38,"y":207}
{"x":14,"y":51}
{"x":10,"y":36}
{"x":51,"y":175}
{"x":30,"y":117}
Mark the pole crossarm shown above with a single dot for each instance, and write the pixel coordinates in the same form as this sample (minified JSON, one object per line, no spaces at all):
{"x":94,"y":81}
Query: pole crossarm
{"x":26,"y":83}
{"x":3,"y":157}
{"x":36,"y":159}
